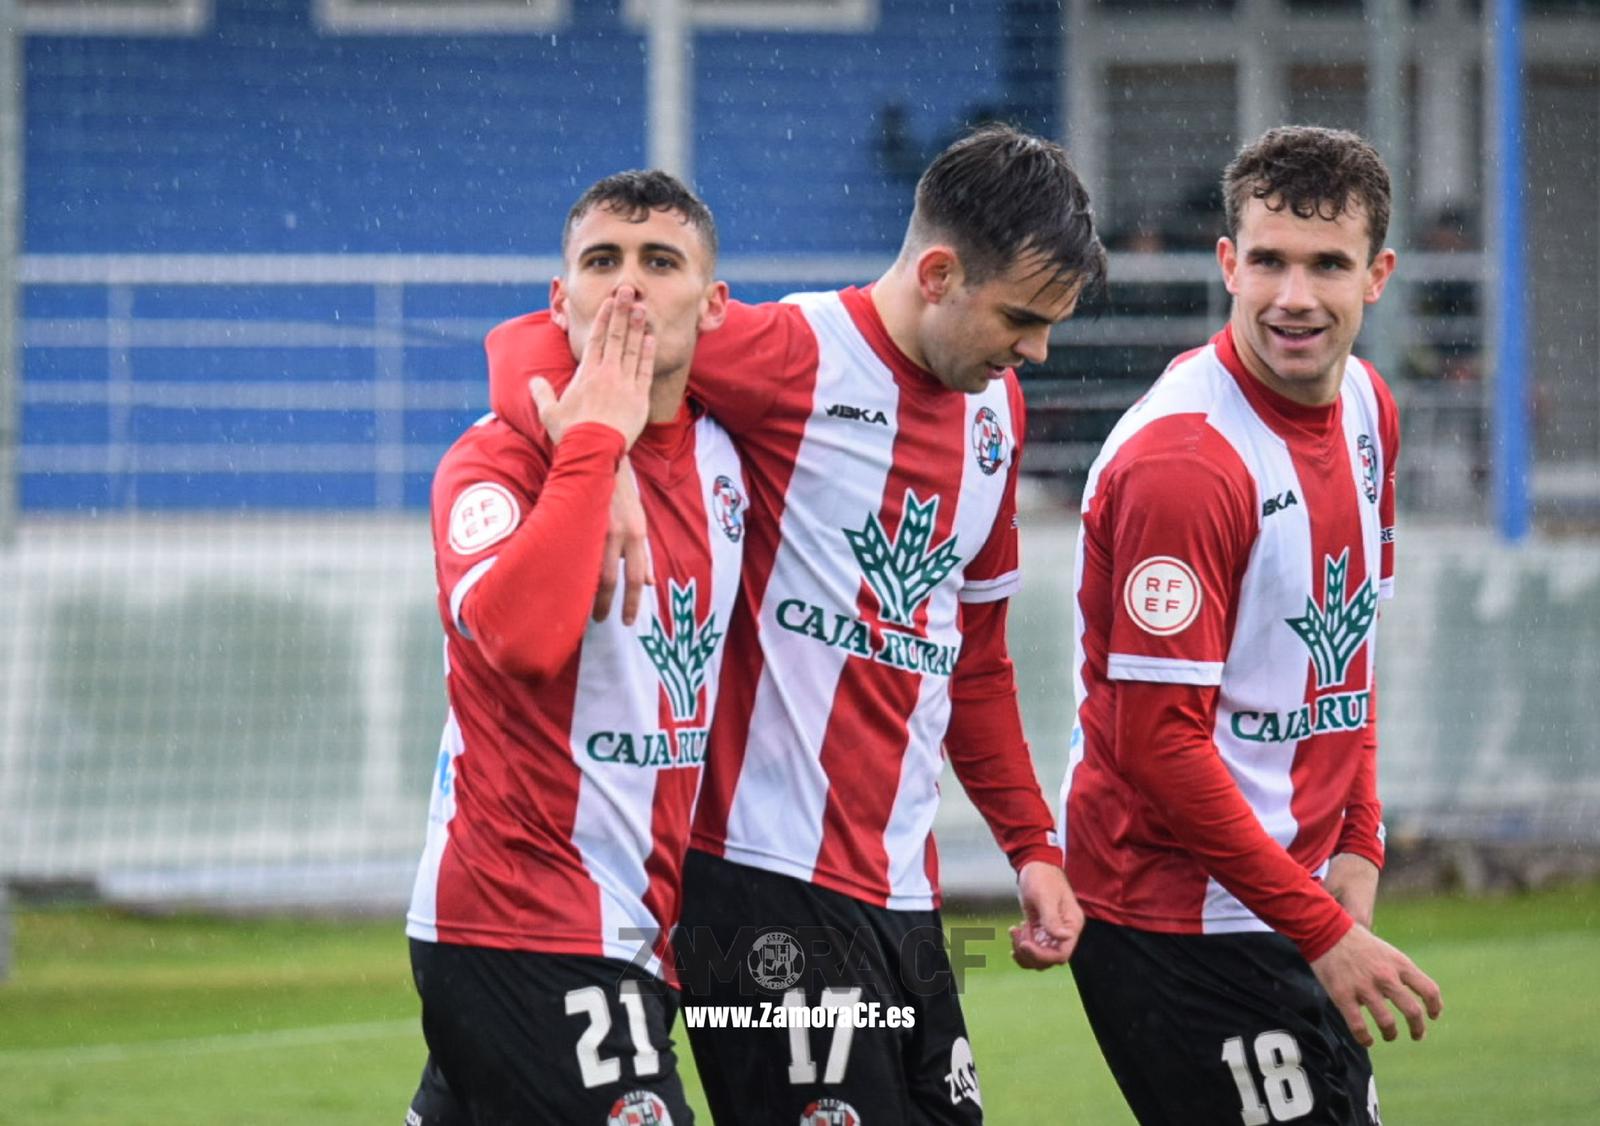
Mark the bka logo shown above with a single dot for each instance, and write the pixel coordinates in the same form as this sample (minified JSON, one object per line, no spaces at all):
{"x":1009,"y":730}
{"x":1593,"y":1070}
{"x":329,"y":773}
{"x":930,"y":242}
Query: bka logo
{"x":1369,"y":468}
{"x":988,"y":441}
{"x":858,"y":414}
{"x":639,"y":1108}
{"x":962,"y":1080}
{"x":1279,"y":503}
{"x":681,"y":657}
{"x":775,"y":960}
{"x":1335,"y":631}
{"x":902,"y":572}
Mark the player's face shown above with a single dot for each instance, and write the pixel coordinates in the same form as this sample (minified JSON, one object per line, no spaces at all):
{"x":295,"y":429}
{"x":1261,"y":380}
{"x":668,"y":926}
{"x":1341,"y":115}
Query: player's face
{"x":666,"y":261}
{"x":1299,"y":289}
{"x":970,"y":334}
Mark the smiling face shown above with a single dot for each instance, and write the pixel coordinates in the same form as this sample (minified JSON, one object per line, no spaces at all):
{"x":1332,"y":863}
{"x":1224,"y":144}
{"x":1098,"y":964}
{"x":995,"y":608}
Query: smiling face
{"x":970,"y":334}
{"x":1300,"y":287}
{"x":666,"y":261}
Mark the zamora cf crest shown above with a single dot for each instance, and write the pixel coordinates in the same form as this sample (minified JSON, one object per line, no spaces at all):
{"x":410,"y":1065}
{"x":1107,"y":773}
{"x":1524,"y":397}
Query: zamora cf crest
{"x":1337,"y":630}
{"x":903,"y":572}
{"x":681,"y":657}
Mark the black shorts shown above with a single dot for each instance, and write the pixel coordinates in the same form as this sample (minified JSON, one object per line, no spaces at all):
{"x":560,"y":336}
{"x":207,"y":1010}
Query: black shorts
{"x":852,"y":1010}
{"x":1221,"y":1028}
{"x":516,"y":1038}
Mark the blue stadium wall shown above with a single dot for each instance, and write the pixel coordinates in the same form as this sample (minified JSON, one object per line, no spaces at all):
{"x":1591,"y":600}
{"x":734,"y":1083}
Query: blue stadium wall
{"x":263,"y":134}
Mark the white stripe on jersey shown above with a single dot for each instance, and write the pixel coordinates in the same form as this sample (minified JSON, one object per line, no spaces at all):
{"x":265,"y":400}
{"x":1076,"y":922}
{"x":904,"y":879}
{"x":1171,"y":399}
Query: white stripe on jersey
{"x":423,"y":914}
{"x":1162,"y":670}
{"x":463,"y":588}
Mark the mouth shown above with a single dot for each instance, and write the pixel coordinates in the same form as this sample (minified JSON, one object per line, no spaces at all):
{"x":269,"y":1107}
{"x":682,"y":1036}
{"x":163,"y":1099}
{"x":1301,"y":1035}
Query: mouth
{"x":1294,"y":335}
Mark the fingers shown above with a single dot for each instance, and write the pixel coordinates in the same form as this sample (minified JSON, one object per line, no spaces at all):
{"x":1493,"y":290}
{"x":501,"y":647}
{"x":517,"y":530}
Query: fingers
{"x":609,"y":561}
{"x":624,"y":317}
{"x":543,"y":399}
{"x":647,"y":359}
{"x":636,"y":566}
{"x":1032,"y":948}
{"x":600,"y":330}
{"x":1355,"y":1020}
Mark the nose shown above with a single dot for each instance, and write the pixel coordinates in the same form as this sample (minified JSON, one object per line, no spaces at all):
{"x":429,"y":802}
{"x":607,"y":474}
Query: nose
{"x":1295,"y":295}
{"x":1034,"y":345}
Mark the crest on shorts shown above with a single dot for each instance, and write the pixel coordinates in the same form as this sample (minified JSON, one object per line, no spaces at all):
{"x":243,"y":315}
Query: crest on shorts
{"x":1369,"y":468}
{"x":830,"y":1112}
{"x":681,"y":656}
{"x":962,"y":1080}
{"x":639,"y":1108}
{"x":727,"y":506}
{"x":775,"y":960}
{"x":988,"y":441}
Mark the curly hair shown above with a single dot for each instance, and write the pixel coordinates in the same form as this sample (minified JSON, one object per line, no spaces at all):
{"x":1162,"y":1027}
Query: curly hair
{"x":998,"y":194}
{"x":1311,"y":172}
{"x":634,"y":194}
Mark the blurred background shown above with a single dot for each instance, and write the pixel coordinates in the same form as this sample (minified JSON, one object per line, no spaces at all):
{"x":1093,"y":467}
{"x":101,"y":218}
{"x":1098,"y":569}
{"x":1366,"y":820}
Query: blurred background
{"x":250,"y":249}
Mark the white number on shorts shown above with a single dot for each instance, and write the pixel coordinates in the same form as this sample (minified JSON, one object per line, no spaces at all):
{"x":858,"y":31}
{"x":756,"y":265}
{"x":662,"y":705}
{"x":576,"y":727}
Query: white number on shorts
{"x":802,"y":1068}
{"x":590,"y":1001}
{"x":1284,"y":1080}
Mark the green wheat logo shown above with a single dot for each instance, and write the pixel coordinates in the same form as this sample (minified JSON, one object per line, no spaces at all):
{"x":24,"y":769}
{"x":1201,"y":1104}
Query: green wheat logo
{"x":903,"y":572}
{"x":681,"y":656}
{"x":1333,"y":635}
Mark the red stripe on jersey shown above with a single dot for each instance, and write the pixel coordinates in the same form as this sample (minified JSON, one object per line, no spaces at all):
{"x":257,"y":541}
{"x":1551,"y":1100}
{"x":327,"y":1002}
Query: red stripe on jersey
{"x":873,"y":704}
{"x":677,"y":515}
{"x":769,"y":451}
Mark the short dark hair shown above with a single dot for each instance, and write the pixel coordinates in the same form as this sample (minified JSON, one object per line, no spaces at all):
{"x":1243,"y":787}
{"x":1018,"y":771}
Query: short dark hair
{"x":998,"y":194}
{"x":1311,"y":171}
{"x":637,"y":192}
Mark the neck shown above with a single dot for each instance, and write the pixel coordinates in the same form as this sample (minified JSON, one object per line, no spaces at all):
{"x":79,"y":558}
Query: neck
{"x":898,"y":301}
{"x":1320,"y":392}
{"x":666,"y":395}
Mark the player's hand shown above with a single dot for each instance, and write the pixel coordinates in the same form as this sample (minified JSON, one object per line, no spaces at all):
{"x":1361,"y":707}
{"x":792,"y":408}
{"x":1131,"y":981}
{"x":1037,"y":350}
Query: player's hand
{"x":612,"y":384}
{"x":1364,"y":972}
{"x":1051,"y":917}
{"x":625,"y":544}
{"x":1353,"y":881}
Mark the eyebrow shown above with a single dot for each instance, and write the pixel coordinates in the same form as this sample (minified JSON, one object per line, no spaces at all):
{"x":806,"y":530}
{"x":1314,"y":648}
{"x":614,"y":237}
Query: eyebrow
{"x":1024,"y":315}
{"x":647,"y":248}
{"x":1256,"y":253}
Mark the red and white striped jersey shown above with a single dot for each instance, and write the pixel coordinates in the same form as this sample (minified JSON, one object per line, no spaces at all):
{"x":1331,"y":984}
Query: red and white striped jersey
{"x":561,"y":808}
{"x":1239,"y":542}
{"x":881,"y":501}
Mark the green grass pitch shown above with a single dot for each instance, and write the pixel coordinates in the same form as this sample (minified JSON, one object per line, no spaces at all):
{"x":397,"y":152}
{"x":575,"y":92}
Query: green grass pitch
{"x":112,"y":1020}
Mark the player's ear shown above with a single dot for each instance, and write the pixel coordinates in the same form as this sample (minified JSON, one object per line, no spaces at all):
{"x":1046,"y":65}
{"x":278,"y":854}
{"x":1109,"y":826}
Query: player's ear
{"x":1378,"y":274}
{"x":714,"y":309}
{"x":558,"y":306}
{"x":1228,"y":260}
{"x":938,"y":273}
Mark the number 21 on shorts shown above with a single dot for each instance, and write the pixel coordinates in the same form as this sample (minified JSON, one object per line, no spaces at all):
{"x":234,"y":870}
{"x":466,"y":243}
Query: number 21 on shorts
{"x":1284,"y":1081}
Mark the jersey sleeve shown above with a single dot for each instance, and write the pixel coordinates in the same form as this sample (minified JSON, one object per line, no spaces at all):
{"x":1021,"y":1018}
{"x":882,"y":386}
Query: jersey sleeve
{"x":1362,"y":829}
{"x":1180,"y":529}
{"x":741,"y":368}
{"x":995,"y":572}
{"x":985,"y":742}
{"x":517,"y":350}
{"x":1164,"y":749}
{"x":518,"y":541}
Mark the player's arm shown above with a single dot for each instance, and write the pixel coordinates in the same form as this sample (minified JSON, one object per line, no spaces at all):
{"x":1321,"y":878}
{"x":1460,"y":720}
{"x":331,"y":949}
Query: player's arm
{"x":530,"y":347}
{"x":990,"y":757}
{"x":525,"y":606}
{"x":742,"y":367}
